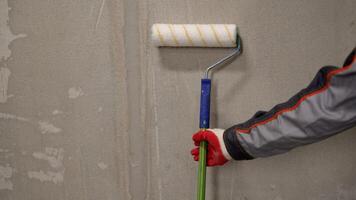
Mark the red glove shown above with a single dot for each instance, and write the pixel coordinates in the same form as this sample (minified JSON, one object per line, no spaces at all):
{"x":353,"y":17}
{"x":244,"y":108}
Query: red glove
{"x":217,"y":153}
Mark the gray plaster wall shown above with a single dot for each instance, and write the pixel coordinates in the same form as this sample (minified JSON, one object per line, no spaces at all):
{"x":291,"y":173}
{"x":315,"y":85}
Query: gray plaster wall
{"x":90,"y":110}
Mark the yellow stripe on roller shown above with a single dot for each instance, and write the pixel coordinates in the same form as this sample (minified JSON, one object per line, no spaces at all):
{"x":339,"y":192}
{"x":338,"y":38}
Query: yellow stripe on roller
{"x":160,"y":36}
{"x":201,"y":35}
{"x":229,"y":34}
{"x":187,"y":35}
{"x":173,"y":34}
{"x":215,"y":34}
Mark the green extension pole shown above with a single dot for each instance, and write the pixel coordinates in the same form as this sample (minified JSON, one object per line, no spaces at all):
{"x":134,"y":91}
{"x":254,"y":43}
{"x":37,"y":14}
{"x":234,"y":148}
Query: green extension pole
{"x":202,"y":170}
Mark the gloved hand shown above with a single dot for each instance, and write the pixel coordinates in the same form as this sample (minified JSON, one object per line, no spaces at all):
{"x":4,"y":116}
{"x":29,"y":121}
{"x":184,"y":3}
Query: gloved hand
{"x":217,"y":153}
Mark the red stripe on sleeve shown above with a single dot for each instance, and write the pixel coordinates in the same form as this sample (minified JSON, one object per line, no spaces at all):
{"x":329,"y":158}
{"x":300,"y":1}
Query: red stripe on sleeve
{"x":301,"y":100}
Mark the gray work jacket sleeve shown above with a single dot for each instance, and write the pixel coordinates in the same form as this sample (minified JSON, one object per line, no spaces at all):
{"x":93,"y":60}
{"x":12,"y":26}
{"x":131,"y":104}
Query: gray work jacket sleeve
{"x":324,"y":108}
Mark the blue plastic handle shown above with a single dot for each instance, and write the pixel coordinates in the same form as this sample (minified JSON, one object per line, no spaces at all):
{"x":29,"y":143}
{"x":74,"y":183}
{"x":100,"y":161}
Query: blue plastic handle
{"x":205,"y":103}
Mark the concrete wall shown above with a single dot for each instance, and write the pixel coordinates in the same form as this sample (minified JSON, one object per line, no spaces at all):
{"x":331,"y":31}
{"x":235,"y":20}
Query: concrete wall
{"x":89,"y":109}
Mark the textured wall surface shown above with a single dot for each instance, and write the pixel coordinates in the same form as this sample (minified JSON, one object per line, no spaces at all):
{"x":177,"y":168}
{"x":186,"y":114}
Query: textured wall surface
{"x":90,"y":110}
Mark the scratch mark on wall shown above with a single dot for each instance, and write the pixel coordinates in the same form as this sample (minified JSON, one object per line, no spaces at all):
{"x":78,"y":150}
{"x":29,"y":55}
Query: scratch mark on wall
{"x":75,"y":92}
{"x":8,"y":116}
{"x":4,"y":80}
{"x":5,"y":175}
{"x":48,"y":176}
{"x":232,"y":185}
{"x":102,"y":165}
{"x":53,"y":156}
{"x":47,"y":127}
{"x":100,"y":14}
{"x":156,"y":132}
{"x":6,"y":36}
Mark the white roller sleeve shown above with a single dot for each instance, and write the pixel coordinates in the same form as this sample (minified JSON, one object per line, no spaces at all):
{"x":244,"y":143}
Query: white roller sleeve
{"x":194,"y":35}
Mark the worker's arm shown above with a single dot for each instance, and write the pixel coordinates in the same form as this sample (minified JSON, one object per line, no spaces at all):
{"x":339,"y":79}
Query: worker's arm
{"x":326,"y":107}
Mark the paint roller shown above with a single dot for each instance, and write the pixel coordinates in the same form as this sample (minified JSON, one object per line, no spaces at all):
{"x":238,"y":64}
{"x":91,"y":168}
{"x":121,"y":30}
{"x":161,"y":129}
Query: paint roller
{"x":194,"y":35}
{"x":200,"y":35}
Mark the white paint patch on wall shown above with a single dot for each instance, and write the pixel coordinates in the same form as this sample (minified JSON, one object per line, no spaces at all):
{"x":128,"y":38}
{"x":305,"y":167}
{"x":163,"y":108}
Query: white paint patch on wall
{"x":46,"y":127}
{"x":57,"y":112}
{"x":346,"y":192}
{"x":5,"y":175}
{"x":48,"y":176}
{"x":100,"y":109}
{"x":75,"y":92}
{"x":4,"y":80}
{"x":8,"y":116}
{"x":6,"y":36}
{"x":4,"y":150}
{"x":53,"y":156}
{"x":102,"y":165}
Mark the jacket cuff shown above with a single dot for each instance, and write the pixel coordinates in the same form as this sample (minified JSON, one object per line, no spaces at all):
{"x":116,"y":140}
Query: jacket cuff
{"x":234,"y":147}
